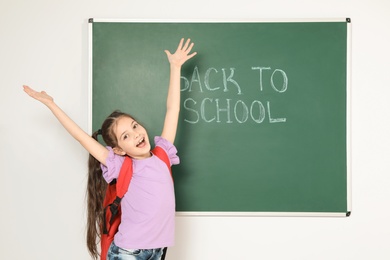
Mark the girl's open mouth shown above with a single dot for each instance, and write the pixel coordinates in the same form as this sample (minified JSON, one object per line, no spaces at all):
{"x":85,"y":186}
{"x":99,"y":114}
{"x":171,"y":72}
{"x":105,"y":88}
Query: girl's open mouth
{"x":141,"y":142}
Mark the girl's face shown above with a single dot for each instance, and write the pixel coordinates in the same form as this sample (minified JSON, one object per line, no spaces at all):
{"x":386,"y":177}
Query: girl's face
{"x":132,"y":139}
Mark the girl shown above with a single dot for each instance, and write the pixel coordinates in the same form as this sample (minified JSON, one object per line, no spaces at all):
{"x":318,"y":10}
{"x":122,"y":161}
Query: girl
{"x":148,"y":208}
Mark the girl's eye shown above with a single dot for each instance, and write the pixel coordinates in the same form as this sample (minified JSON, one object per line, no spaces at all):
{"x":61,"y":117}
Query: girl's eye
{"x":125,"y":137}
{"x":135,"y":125}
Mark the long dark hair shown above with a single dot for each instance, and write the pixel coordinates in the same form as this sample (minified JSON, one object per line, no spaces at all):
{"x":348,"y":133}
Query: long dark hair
{"x":97,"y":185}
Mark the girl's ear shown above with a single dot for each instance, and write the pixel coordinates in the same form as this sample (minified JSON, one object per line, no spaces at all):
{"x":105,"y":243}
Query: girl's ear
{"x":118,"y":151}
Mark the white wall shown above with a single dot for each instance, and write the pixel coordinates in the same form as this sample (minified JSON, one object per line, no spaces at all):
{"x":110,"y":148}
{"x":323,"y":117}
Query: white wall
{"x":43,"y":171}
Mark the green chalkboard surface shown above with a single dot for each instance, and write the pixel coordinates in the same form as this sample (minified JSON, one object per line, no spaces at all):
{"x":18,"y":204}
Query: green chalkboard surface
{"x":264,"y":116}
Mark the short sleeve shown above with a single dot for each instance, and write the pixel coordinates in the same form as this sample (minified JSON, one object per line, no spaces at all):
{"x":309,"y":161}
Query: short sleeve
{"x":169,"y":148}
{"x":113,"y":165}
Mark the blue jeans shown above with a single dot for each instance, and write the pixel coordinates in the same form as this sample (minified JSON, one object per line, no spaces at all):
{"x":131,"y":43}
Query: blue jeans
{"x":117,"y":253}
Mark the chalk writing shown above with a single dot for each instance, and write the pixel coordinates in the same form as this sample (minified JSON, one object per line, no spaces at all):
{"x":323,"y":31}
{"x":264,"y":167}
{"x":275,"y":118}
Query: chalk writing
{"x":285,"y":79}
{"x":228,"y":110}
{"x":196,"y":79}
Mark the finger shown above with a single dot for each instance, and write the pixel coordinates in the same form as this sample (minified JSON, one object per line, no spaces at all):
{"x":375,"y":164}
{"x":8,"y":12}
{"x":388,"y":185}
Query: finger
{"x":28,"y":90}
{"x":192,"y":55}
{"x":185,"y":48}
{"x":190,"y":47}
{"x":168,"y":53}
{"x":180,"y":46}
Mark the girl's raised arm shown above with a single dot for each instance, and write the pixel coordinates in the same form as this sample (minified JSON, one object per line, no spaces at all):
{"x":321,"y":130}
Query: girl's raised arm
{"x":91,"y":145}
{"x":176,"y":60}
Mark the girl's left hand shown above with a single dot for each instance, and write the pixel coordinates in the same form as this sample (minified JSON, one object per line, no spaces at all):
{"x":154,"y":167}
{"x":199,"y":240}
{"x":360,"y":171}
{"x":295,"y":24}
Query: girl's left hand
{"x":182,"y":53}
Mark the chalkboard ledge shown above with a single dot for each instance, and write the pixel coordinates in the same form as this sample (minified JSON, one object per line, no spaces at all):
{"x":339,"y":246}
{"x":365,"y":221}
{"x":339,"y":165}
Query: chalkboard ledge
{"x":261,"y":214}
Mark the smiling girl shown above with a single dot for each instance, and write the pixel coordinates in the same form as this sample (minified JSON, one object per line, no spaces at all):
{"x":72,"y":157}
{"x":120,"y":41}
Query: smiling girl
{"x":148,"y":207}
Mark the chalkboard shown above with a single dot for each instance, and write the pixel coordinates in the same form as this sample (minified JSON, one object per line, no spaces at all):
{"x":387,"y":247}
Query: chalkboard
{"x":264,"y":109}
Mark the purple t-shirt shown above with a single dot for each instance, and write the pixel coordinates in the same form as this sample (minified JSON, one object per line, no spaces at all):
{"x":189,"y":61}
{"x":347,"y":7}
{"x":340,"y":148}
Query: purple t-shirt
{"x":148,"y":207}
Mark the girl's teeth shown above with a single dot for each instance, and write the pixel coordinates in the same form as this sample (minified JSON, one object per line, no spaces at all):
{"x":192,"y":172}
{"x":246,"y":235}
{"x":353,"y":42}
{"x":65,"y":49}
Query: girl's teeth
{"x":140,"y":141}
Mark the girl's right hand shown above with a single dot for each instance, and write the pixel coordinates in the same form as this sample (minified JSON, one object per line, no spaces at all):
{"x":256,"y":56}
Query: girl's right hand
{"x":40,"y":96}
{"x":91,"y":145}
